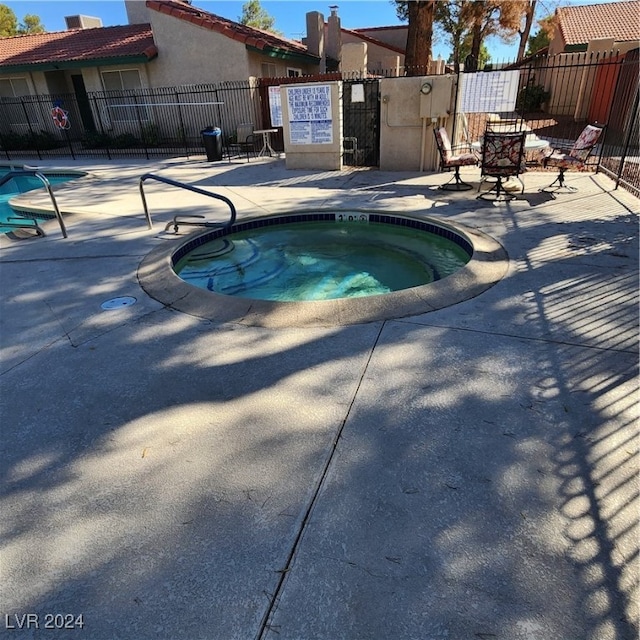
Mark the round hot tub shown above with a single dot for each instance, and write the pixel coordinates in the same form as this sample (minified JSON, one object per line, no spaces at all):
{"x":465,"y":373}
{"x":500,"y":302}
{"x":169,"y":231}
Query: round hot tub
{"x":324,"y":268}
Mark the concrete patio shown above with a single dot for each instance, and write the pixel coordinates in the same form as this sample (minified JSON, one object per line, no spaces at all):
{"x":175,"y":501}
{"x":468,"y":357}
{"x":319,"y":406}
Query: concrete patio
{"x":470,"y":472}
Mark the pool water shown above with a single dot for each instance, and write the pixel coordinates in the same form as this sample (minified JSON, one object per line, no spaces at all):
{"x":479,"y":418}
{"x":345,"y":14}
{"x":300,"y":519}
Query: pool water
{"x":320,"y":261}
{"x":22,"y":184}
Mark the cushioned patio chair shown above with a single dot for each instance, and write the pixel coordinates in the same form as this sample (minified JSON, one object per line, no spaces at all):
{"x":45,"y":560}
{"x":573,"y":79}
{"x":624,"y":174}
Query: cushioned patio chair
{"x":450,"y":160}
{"x":502,"y":158}
{"x":574,"y":158}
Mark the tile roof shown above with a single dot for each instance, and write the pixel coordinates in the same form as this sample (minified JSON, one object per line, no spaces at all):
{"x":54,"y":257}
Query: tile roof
{"x":77,"y":45}
{"x":617,"y":20}
{"x":256,"y":38}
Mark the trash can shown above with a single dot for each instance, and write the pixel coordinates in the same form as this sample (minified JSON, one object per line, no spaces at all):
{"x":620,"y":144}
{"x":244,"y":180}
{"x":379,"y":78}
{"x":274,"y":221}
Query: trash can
{"x":212,"y":139}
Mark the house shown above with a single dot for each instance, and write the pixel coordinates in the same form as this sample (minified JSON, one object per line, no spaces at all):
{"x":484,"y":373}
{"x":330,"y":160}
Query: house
{"x":613,"y":26}
{"x":166,"y":43}
{"x":92,"y":71}
{"x":355,"y":50}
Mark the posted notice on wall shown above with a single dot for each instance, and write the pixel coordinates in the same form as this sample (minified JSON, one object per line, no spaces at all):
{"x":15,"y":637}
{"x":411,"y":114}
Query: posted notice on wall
{"x":310,"y":114}
{"x":275,"y":106}
{"x":489,"y":92}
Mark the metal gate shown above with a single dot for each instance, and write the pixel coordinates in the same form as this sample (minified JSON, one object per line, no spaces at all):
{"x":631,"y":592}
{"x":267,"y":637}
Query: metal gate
{"x":361,"y":123}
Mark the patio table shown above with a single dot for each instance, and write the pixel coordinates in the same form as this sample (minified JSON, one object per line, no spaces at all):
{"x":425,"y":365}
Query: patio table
{"x":266,"y":141}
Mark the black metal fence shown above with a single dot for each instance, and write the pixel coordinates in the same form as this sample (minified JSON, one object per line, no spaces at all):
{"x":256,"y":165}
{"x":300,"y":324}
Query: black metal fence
{"x":134,"y":123}
{"x":556,"y":97}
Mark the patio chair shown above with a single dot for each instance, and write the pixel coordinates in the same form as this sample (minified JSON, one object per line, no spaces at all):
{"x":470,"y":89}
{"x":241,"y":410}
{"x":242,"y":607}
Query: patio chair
{"x":449,"y":160}
{"x":243,"y":142}
{"x":502,"y":158}
{"x":574,"y":158}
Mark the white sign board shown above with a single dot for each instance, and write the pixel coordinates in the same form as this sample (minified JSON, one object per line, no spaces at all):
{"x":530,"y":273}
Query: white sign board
{"x":488,"y":92}
{"x":310,"y":114}
{"x":275,"y":106}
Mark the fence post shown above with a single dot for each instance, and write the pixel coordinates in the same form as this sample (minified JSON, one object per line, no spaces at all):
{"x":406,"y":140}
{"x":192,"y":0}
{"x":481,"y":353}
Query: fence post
{"x":627,"y":142}
{"x":26,"y":115}
{"x":181,"y":121}
{"x":142,"y":136}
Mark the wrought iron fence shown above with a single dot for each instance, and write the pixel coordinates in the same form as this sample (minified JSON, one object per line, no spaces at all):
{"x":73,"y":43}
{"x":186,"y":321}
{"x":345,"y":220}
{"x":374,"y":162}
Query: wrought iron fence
{"x":135,"y":123}
{"x":556,"y":97}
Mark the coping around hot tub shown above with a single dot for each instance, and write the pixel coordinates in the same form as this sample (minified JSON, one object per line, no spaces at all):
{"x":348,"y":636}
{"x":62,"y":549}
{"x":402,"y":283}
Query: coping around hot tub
{"x":487,"y":266}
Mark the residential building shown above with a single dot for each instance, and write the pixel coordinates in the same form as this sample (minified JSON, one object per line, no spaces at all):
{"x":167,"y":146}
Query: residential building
{"x":613,"y":26}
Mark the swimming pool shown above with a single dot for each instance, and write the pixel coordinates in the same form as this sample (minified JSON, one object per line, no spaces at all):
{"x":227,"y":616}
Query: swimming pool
{"x":324,"y":260}
{"x":23,"y":184}
{"x":487,"y":264}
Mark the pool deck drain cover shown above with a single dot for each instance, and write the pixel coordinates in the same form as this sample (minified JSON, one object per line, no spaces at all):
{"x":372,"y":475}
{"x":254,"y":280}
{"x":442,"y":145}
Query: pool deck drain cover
{"x":118,"y":303}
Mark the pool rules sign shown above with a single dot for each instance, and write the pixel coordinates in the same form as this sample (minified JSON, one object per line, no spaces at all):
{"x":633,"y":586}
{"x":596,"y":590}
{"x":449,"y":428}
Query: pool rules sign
{"x":310,"y":119}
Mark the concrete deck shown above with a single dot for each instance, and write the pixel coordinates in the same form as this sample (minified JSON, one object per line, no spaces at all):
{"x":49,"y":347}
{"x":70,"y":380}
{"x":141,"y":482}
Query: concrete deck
{"x":469,"y":472}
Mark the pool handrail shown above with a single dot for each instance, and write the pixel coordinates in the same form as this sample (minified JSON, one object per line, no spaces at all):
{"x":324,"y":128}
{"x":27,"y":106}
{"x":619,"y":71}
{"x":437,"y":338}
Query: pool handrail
{"x":182,"y":185}
{"x":38,"y":174}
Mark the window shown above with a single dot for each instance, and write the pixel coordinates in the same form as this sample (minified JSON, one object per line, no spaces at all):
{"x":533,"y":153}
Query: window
{"x":120,"y":107}
{"x":293,"y":73}
{"x":14,"y":88}
{"x":16,"y":112}
{"x":268,"y":70}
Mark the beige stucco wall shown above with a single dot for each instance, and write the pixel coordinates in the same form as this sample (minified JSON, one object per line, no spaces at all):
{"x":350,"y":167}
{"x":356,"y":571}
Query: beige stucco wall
{"x":394,"y":36}
{"x":189,"y":54}
{"x":377,"y":57}
{"x":403,"y":133}
{"x":325,"y":157}
{"x":255,"y":61}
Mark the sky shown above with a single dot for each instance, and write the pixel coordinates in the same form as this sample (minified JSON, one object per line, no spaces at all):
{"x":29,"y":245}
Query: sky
{"x":289,"y":16}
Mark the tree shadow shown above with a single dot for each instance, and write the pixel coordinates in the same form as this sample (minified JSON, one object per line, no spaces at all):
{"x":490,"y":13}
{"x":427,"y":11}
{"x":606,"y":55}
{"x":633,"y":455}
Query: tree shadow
{"x":157,"y":470}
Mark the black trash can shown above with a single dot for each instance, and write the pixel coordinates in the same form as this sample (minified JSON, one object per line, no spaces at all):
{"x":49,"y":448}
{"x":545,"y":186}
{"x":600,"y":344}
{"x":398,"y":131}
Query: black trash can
{"x":212,"y":140}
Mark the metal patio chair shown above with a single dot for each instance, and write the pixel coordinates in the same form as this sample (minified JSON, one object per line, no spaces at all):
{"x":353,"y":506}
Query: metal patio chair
{"x":502,"y":158}
{"x":450,"y":160}
{"x":574,"y":158}
{"x":244,"y":142}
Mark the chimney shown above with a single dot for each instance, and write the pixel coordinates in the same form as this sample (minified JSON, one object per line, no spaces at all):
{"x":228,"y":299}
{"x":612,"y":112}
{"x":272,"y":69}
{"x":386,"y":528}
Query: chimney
{"x":82,"y":22}
{"x":315,"y":37}
{"x":334,"y":34}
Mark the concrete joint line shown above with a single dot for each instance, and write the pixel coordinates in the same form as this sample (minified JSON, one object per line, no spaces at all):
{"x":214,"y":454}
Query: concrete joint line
{"x":265,"y":625}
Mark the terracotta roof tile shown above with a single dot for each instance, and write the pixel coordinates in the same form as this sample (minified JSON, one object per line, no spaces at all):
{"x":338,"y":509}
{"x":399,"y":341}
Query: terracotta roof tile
{"x":242,"y":33}
{"x":78,"y":44}
{"x":617,"y":20}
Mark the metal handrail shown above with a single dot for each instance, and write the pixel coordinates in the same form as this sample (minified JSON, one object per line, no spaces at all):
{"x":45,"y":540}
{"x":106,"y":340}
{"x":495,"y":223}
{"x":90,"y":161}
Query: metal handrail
{"x":188,"y":187}
{"x":47,"y":184}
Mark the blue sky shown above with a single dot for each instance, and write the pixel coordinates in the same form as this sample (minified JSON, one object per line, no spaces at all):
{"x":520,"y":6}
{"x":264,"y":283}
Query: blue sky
{"x":289,"y":15}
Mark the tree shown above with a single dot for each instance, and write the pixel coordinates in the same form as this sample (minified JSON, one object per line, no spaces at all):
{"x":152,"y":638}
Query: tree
{"x":31,"y":24}
{"x":421,"y":14}
{"x":253,"y":15}
{"x":542,"y":38}
{"x":526,"y":27}
{"x":9,"y":23}
{"x":450,"y":22}
{"x":465,"y":49}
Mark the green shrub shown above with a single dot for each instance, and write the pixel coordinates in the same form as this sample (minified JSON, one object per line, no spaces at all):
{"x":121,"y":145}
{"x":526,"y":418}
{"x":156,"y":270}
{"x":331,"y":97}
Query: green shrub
{"x":95,"y":140}
{"x":531,"y":98}
{"x":150,"y":135}
{"x":125,"y":141}
{"x":42,"y":140}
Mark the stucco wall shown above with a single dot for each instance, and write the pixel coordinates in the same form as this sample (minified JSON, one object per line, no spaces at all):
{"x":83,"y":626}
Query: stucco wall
{"x":377,"y":57}
{"x":189,"y":54}
{"x":394,"y":36}
{"x":255,"y":61}
{"x":402,"y":130}
{"x":314,"y":156}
